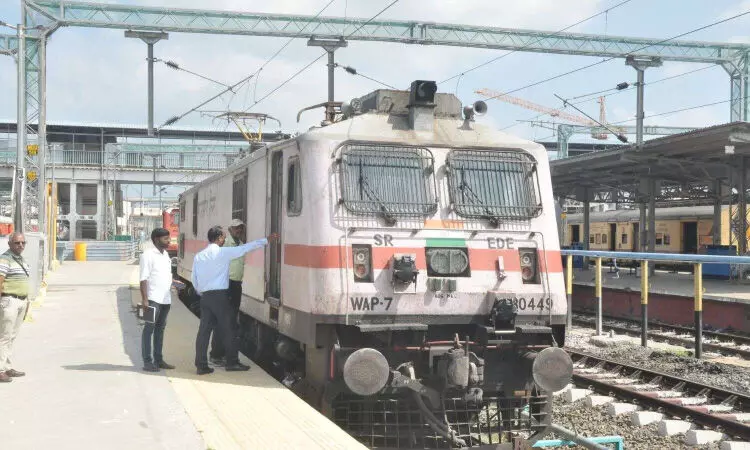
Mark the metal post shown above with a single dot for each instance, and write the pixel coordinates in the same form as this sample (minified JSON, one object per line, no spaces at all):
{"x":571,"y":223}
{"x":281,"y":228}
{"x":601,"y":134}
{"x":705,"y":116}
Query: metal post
{"x":586,"y":225}
{"x":569,"y":292}
{"x":698,"y":276}
{"x":642,"y":236}
{"x":717,"y":213}
{"x":564,"y":132}
{"x":330,"y":46}
{"x":150,"y":38}
{"x":18,"y":217}
{"x":598,"y":296}
{"x":742,"y":210}
{"x":639,"y":114}
{"x":640,"y":65}
{"x":644,"y":303}
{"x":331,"y":66}
{"x":42,"y":135}
{"x":652,"y":216}
{"x":150,"y":46}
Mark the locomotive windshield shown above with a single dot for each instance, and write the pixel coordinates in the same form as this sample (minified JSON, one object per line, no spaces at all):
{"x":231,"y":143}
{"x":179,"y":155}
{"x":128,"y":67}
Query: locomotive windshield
{"x":387,"y":180}
{"x":494,"y":184}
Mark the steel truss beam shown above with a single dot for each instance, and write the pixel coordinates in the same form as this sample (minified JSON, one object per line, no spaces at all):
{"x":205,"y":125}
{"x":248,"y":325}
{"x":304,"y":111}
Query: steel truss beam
{"x":84,"y":14}
{"x":8,"y":44}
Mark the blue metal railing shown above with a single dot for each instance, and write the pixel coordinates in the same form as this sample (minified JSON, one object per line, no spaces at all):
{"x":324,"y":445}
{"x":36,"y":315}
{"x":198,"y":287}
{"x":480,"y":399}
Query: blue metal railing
{"x":696,"y":260}
{"x":673,"y":257}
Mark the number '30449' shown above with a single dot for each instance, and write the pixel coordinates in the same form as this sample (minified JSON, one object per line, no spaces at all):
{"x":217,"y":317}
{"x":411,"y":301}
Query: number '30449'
{"x":533,"y":304}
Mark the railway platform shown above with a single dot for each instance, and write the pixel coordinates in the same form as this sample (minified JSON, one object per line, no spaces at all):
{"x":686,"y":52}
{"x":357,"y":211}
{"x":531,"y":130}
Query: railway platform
{"x":671,"y":296}
{"x":84,"y":387}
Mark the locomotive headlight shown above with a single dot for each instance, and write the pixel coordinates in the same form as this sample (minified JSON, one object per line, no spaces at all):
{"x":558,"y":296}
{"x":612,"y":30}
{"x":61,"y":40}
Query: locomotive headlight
{"x":447,"y":262}
{"x":362,"y":256}
{"x":529,"y":265}
{"x":552,"y":369}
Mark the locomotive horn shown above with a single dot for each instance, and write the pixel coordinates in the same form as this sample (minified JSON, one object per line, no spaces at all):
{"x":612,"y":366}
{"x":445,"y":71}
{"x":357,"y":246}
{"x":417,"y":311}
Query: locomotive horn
{"x":480,"y":108}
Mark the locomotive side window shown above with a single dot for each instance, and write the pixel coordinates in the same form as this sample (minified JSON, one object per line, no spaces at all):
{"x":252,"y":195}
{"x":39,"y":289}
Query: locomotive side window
{"x":239,"y":197}
{"x":293,"y":187}
{"x":390,"y":181}
{"x":495,"y":184}
{"x":195,"y":214}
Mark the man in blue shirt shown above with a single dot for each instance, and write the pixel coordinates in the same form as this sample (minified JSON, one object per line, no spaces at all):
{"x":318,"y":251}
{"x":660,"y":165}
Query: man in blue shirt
{"x":210,"y":278}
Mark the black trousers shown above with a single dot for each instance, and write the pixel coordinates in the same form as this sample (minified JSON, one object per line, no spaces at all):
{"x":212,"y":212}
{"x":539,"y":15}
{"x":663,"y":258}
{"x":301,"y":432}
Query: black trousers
{"x":218,"y":349}
{"x":215,"y":314}
{"x":156,"y":331}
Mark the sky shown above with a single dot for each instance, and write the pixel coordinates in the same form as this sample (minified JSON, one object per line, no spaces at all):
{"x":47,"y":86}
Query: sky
{"x":98,"y":76}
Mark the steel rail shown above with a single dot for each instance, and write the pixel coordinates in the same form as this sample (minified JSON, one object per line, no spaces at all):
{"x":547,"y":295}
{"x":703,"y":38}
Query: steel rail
{"x":714,"y":421}
{"x":676,"y":340}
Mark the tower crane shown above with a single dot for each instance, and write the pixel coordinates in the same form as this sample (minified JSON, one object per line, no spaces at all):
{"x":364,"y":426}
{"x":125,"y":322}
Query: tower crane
{"x":490,"y":94}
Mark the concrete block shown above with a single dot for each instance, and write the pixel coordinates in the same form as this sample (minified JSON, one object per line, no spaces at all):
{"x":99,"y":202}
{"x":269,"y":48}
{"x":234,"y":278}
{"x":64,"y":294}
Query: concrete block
{"x":735,"y":445}
{"x":617,"y":408}
{"x":672,"y":427}
{"x":702,"y":437}
{"x":573,"y":395}
{"x":643,"y":418}
{"x":598,"y":400}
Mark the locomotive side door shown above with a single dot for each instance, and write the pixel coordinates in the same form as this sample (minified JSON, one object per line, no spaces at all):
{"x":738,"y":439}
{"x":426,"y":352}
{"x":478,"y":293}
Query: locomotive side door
{"x":273,"y":290}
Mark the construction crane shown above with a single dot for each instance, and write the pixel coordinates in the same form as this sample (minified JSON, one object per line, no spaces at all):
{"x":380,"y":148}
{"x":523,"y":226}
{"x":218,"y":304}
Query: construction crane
{"x":494,"y":95}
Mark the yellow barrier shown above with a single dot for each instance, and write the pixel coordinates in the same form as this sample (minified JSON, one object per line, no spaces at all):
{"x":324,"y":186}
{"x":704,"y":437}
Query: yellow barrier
{"x":80,"y":251}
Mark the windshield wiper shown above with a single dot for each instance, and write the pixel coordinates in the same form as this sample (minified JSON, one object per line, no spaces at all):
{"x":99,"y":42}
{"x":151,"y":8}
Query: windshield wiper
{"x":364,"y":185}
{"x":474,"y":198}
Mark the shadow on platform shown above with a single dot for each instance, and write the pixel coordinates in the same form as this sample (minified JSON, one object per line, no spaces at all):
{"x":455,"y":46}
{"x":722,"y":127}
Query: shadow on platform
{"x":179,"y":347}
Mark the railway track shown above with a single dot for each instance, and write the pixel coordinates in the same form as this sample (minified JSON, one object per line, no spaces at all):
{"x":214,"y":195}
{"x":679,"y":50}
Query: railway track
{"x":722,"y":343}
{"x":708,"y":406}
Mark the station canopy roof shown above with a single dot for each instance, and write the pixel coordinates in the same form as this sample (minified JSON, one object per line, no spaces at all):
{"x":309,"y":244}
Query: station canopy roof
{"x":684,"y":165}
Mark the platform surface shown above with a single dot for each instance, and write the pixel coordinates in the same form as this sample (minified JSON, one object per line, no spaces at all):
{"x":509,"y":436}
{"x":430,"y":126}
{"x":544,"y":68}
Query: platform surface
{"x":84,"y":386}
{"x":668,"y":283}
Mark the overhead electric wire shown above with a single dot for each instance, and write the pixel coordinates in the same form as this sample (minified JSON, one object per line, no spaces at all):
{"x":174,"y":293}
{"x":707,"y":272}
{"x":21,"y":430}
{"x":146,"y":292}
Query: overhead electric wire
{"x":175,"y":66}
{"x":353,"y":71}
{"x":675,"y":111}
{"x":533,"y":42}
{"x":660,"y":80}
{"x":296,"y":74}
{"x":588,"y":66}
{"x":633,"y":86}
{"x":231,"y":88}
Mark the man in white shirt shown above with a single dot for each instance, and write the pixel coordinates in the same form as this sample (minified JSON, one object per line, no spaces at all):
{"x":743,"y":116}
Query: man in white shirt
{"x":210,"y":278}
{"x":156,"y":284}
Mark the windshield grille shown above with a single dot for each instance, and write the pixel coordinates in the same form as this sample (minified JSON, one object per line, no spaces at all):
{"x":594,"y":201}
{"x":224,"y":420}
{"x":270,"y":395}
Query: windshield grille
{"x":388,"y":180}
{"x":494,"y":184}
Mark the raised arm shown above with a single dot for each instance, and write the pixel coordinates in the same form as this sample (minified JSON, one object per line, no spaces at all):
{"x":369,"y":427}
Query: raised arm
{"x":236,"y":252}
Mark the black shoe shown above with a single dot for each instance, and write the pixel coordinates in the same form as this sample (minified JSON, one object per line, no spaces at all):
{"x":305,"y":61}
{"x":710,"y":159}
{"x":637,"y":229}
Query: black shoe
{"x":237,"y":367}
{"x":205,"y":370}
{"x":163,"y":365}
{"x":218,"y":361}
{"x":150,"y":367}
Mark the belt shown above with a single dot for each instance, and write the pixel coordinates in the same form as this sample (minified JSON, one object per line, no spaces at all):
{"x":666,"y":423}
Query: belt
{"x":20,"y":297}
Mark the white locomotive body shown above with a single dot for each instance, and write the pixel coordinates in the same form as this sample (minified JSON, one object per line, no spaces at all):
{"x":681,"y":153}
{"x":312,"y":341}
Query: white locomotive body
{"x":418,"y":253}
